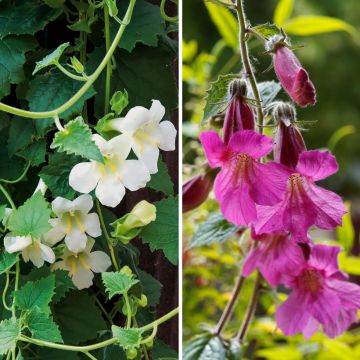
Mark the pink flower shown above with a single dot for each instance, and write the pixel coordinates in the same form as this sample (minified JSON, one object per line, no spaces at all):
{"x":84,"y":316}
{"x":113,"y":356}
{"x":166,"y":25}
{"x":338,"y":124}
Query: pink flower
{"x":320,"y":295}
{"x":274,"y":255}
{"x":293,"y":77}
{"x":243,"y":181}
{"x":303,"y":202}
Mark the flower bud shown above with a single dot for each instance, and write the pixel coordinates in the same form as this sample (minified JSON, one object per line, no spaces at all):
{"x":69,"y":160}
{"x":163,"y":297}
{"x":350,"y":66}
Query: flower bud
{"x":288,"y":142}
{"x":239,"y":114}
{"x":196,"y":190}
{"x":293,"y":77}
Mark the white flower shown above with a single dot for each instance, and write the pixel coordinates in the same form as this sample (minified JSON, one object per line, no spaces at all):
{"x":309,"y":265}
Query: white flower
{"x":82,"y":265}
{"x":73,"y":222}
{"x":111,"y":178}
{"x":146,"y":133}
{"x":32,"y":249}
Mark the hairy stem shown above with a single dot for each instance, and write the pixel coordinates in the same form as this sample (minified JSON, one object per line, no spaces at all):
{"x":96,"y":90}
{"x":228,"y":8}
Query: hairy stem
{"x":246,"y":63}
{"x":108,"y":65}
{"x":85,"y":87}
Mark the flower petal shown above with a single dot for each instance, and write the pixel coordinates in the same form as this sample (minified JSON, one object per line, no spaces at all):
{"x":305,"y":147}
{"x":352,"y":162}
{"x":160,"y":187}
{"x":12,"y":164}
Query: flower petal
{"x":340,"y":323}
{"x":168,"y":136}
{"x":110,"y":191}
{"x":121,"y":146}
{"x":215,"y":149}
{"x":91,"y":224}
{"x":311,"y":328}
{"x":101,"y":143}
{"x":348,"y":293}
{"x":82,"y":278}
{"x":61,"y":205}
{"x":76,"y":240}
{"x":47,"y":253}
{"x":99,"y":261}
{"x":16,"y":243}
{"x":134,"y":175}
{"x":149,"y":156}
{"x":83,"y":203}
{"x":84,"y":177}
{"x":157,"y":111}
{"x":56,"y":234}
{"x":325,"y":257}
{"x":134,"y":119}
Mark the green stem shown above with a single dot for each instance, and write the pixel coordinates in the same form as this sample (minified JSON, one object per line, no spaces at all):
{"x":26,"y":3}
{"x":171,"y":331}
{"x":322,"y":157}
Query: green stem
{"x":246,"y":62}
{"x":8,"y":197}
{"x":107,"y":236}
{"x":89,"y":355}
{"x":106,"y":314}
{"x":17,"y":276}
{"x":108,"y":65}
{"x":164,"y":15}
{"x":85,"y":87}
{"x":7,"y":282}
{"x":69,"y":74}
{"x":128,"y":311}
{"x":161,"y":320}
{"x":27,"y":167}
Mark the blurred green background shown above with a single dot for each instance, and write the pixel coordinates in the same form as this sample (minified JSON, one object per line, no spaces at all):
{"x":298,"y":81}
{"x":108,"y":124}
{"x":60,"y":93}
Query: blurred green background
{"x":333,"y":61}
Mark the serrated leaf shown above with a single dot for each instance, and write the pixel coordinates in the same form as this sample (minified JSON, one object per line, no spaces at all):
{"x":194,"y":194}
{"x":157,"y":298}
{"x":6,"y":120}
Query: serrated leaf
{"x":283,"y":11}
{"x":127,"y":338}
{"x":56,"y":174}
{"x":51,"y":59}
{"x":266,"y":30}
{"x":43,"y":327}
{"x":36,"y":294}
{"x":203,"y":347}
{"x":7,"y":261}
{"x":32,"y":218}
{"x":162,"y":350}
{"x":35,"y":152}
{"x":217,"y":95}
{"x":152,"y":288}
{"x":118,"y":283}
{"x":9,"y":331}
{"x":163,"y":232}
{"x":215,"y":229}
{"x":119,"y":101}
{"x":21,"y":134}
{"x":161,"y":181}
{"x":268,"y":91}
{"x":76,"y":139}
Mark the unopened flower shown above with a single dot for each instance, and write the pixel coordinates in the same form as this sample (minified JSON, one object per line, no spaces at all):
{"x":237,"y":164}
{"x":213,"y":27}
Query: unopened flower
{"x":288,"y":142}
{"x":31,"y":249}
{"x":274,"y":255}
{"x":147,"y":133}
{"x":111,"y":178}
{"x":243,"y":182}
{"x":239,"y":115}
{"x":73,"y":222}
{"x":304,"y":203}
{"x":82,"y":266}
{"x":293,"y":77}
{"x":320,"y":296}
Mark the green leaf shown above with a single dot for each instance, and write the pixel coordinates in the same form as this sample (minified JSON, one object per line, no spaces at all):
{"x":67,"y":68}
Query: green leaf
{"x":12,"y":59}
{"x":2,"y":212}
{"x":7,"y":261}
{"x":161,"y":181}
{"x":316,"y":24}
{"x":43,"y":327}
{"x":118,"y":283}
{"x":76,"y":139}
{"x":25,"y":17}
{"x":21,"y":134}
{"x":346,"y":232}
{"x":35,"y":152}
{"x":54,"y":3}
{"x":152,"y":288}
{"x":162,"y":350}
{"x":51,"y":59}
{"x":51,"y":90}
{"x":349,"y":264}
{"x":268,"y":91}
{"x":32,"y":218}
{"x":217,"y":95}
{"x":266,"y":30}
{"x":204,"y":347}
{"x":9,"y":331}
{"x":283,"y":11}
{"x":226,"y":24}
{"x":215,"y":229}
{"x":36,"y":293}
{"x":119,"y":101}
{"x":233,"y":350}
{"x":127,"y":338}
{"x":111,"y":4}
{"x":56,"y":174}
{"x":163,"y":232}
{"x":79,"y":318}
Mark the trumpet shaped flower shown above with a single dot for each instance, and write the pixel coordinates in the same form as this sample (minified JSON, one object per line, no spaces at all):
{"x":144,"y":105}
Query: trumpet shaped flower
{"x":73,"y":222}
{"x":114,"y":175}
{"x":243,"y":182}
{"x":304,"y":203}
{"x":147,"y":133}
{"x":82,"y":266}
{"x":320,"y":296}
{"x":34,"y":250}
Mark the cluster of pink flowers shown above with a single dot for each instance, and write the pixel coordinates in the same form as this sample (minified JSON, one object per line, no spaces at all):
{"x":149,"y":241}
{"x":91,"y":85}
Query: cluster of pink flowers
{"x":281,"y":201}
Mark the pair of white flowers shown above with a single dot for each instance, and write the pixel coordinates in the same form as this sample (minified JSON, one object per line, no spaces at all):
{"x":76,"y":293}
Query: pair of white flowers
{"x":143,"y":132}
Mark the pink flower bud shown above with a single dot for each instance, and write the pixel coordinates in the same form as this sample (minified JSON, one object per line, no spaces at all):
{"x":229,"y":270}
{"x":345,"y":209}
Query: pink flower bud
{"x":196,"y":190}
{"x":239,"y":115}
{"x":293,"y":77}
{"x":288,"y":142}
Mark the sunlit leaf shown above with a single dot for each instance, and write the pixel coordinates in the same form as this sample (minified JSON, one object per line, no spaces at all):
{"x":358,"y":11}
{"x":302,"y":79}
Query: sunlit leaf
{"x":283,"y":11}
{"x":346,"y":233}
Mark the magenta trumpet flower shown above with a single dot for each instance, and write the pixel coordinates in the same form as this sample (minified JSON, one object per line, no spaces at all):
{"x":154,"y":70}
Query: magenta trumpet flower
{"x":320,"y":296}
{"x":243,"y":182}
{"x":304,"y":203}
{"x":293,"y":77}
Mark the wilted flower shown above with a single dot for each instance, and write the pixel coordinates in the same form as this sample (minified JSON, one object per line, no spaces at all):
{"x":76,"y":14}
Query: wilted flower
{"x":111,"y":178}
{"x":82,"y":265}
{"x":73,"y":222}
{"x":147,"y":133}
{"x":320,"y":296}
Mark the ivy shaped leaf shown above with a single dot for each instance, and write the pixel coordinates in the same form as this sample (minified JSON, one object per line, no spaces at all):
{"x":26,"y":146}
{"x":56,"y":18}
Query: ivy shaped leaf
{"x":76,"y":139}
{"x":9,"y":331}
{"x":127,"y":338}
{"x":118,"y":283}
{"x":32,"y":218}
{"x":51,"y":59}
